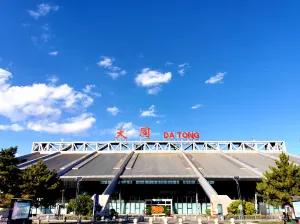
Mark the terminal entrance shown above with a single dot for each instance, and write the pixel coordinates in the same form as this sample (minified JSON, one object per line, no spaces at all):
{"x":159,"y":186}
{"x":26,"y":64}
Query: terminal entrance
{"x":157,"y":203}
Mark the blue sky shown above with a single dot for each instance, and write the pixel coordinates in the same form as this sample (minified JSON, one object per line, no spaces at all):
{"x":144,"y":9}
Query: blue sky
{"x":77,"y":71}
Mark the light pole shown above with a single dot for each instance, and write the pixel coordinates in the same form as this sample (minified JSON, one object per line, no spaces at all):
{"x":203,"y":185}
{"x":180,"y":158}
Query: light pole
{"x":236,"y":178}
{"x":78,"y":179}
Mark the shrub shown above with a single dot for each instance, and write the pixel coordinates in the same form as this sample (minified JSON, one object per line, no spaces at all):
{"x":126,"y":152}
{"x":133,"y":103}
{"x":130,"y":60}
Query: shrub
{"x":248,"y":208}
{"x":208,"y":211}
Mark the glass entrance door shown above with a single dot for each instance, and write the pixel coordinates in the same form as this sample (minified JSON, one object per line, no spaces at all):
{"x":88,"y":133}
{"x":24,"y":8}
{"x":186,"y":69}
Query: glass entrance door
{"x":159,"y":202}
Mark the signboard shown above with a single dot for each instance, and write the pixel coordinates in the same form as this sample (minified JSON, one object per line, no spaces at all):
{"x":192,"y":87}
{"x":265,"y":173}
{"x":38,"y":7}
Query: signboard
{"x":296,"y":206}
{"x":20,"y":209}
{"x":182,"y":135}
{"x":145,"y":132}
{"x":120,"y":134}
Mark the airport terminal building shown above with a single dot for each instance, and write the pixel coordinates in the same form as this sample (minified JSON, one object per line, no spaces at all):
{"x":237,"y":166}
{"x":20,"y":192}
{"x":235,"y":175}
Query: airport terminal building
{"x":187,"y":176}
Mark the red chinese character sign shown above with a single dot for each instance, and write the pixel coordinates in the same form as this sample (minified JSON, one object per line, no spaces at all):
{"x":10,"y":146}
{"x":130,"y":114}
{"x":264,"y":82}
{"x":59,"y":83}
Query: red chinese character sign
{"x":145,"y":132}
{"x":121,"y":134}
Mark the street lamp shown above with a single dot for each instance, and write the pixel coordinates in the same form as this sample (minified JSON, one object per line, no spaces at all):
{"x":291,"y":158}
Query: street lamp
{"x":236,"y":178}
{"x":78,"y":179}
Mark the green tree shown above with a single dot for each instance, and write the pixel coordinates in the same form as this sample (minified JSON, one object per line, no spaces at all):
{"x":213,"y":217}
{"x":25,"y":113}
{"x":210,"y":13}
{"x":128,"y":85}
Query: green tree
{"x":248,"y":208}
{"x":40,"y":185}
{"x":10,"y":175}
{"x":5,"y":200}
{"x":83,"y":205}
{"x":279,"y":184}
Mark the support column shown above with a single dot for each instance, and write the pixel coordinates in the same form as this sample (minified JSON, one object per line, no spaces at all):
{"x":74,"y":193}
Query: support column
{"x":120,"y":201}
{"x":209,"y":190}
{"x":104,"y":198}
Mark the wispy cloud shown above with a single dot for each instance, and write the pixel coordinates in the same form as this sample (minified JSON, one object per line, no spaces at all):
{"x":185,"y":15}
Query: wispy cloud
{"x":72,"y":125}
{"x":46,"y":27}
{"x":45,"y":37}
{"x":216,"y":79}
{"x":53,"y":79}
{"x":168,"y":63}
{"x":154,"y":90}
{"x":53,"y":53}
{"x":196,"y":106}
{"x":113,"y":110}
{"x":149,"y":113}
{"x":182,"y":68}
{"x":152,"y":79}
{"x":43,"y":10}
{"x":88,"y":90}
{"x":113,"y":71}
{"x":12,"y":127}
{"x":131,"y":130}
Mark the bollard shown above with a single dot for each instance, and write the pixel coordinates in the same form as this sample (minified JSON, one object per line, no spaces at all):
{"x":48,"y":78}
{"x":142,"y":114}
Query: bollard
{"x":232,"y":220}
{"x":165,"y":220}
{"x":150,"y":220}
{"x":180,"y":220}
{"x":102,"y":218}
{"x":135,"y":220}
{"x":39,"y":220}
{"x":216,"y":221}
{"x":200,"y":221}
{"x":47,"y":218}
{"x":183,"y":218}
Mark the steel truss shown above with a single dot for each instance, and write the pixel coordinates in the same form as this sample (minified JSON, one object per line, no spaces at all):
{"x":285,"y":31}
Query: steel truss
{"x":270,"y":146}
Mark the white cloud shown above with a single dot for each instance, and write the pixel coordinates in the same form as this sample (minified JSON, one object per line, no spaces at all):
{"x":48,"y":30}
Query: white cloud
{"x":88,"y":90}
{"x":40,"y":106}
{"x":106,"y":62}
{"x":53,"y":79}
{"x":73,"y":125}
{"x":53,"y":53}
{"x":157,"y":122}
{"x":13,"y":127}
{"x":196,"y":106}
{"x":182,"y":67}
{"x":43,"y":10}
{"x":168,"y":63}
{"x":131,"y":130}
{"x":151,"y":78}
{"x":150,"y":112}
{"x":114,"y":71}
{"x":113,"y":110}
{"x":113,"y":75}
{"x":216,"y":79}
{"x":154,"y":90}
